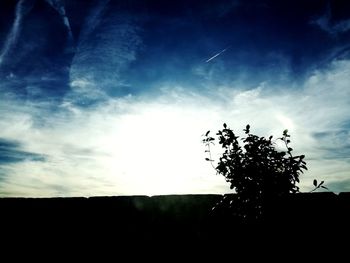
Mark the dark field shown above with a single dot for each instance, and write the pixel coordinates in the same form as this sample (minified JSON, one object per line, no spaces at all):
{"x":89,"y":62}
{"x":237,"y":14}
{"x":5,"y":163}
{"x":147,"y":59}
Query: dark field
{"x":187,"y":217}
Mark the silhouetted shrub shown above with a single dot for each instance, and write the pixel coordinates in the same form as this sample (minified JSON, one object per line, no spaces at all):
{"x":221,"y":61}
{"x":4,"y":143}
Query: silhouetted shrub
{"x":257,"y":171}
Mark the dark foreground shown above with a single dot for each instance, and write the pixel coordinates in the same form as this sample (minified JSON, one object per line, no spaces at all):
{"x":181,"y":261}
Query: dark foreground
{"x":185,"y":219}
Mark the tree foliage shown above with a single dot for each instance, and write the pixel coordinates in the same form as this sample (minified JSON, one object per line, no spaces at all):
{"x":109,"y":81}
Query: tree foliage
{"x":318,"y":185}
{"x":255,"y":169}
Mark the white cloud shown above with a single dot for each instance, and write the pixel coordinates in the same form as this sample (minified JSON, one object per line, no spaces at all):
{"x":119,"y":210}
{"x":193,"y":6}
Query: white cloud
{"x":152,"y":145}
{"x":150,"y":148}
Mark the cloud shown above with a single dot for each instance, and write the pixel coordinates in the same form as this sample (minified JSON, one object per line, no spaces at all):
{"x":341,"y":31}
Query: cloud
{"x":93,"y":19}
{"x":106,"y":47}
{"x":59,"y":7}
{"x":10,"y":152}
{"x":151,"y":144}
{"x":341,"y":185}
{"x":130,"y":146}
{"x":325,"y":23}
{"x":13,"y":34}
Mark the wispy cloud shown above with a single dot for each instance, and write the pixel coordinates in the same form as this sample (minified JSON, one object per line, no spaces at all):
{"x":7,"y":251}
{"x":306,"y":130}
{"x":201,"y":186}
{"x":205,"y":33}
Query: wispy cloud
{"x":93,"y":19}
{"x":10,"y":152}
{"x":106,"y":47}
{"x":152,"y":145}
{"x":13,"y":34}
{"x":325,"y":23}
{"x":59,"y":7}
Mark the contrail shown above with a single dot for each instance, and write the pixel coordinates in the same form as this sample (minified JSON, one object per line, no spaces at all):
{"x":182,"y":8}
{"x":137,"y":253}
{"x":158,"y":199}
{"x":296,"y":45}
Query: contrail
{"x":13,"y":35}
{"x":216,"y":55}
{"x":59,"y":7}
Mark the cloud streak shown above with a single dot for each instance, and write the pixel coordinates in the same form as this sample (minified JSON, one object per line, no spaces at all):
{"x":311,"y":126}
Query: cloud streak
{"x":10,"y":152}
{"x":59,"y":7}
{"x":13,"y":34}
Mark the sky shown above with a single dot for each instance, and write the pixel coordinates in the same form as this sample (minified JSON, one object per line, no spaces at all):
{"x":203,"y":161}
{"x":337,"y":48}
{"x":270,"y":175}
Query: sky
{"x":111,"y":97}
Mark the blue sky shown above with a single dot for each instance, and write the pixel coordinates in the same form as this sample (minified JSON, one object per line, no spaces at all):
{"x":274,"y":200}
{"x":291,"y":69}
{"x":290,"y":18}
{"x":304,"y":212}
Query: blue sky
{"x":108,"y":97}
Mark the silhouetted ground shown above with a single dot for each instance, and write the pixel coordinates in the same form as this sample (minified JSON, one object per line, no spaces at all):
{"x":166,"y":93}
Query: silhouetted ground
{"x":186,"y":219}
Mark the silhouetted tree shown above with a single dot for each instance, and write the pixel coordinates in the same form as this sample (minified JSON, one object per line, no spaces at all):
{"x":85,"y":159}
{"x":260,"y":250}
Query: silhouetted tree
{"x":257,"y":171}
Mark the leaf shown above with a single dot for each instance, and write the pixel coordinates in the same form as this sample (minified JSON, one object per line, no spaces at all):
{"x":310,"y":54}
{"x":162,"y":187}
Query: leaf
{"x":315,"y":182}
{"x":225,"y":126}
{"x":207,"y":159}
{"x":207,"y":133}
{"x":324,"y":187}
